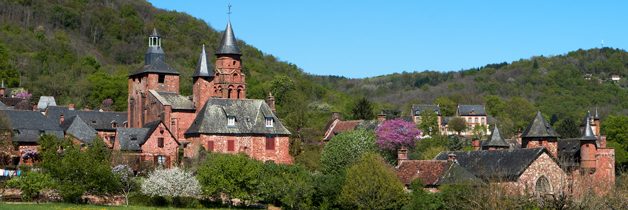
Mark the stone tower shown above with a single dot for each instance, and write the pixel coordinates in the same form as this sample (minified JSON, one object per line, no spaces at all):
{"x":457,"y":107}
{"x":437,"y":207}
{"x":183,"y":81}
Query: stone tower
{"x":229,"y":80}
{"x":154,"y":75}
{"x":540,"y":134}
{"x":203,"y":77}
{"x":588,"y":147}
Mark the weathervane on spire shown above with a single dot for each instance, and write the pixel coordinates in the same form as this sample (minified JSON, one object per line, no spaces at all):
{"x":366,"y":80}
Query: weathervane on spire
{"x":229,"y":10}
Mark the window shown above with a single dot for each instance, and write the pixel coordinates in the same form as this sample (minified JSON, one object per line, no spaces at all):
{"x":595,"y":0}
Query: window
{"x":543,"y":186}
{"x":230,"y":121}
{"x":161,"y":160}
{"x":270,"y":143}
{"x":231,"y":145}
{"x":269,"y":122}
{"x":210,"y":146}
{"x":160,"y":142}
{"x":161,"y":79}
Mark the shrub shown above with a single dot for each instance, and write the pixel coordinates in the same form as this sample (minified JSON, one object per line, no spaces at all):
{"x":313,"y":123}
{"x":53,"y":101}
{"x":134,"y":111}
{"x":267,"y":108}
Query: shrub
{"x":234,"y":176}
{"x":31,"y":184}
{"x":289,"y":186}
{"x":371,"y":184}
{"x":172,"y":182}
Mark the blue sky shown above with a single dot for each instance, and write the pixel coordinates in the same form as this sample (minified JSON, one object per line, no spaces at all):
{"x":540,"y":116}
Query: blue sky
{"x":368,"y":38}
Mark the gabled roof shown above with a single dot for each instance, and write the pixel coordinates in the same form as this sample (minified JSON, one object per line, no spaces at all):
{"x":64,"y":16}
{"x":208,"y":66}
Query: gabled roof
{"x":496,"y":139}
{"x":132,"y":139}
{"x":339,"y":126}
{"x":249,"y":115}
{"x":500,"y":165}
{"x":418,"y":108}
{"x":101,"y":121}
{"x":79,"y":129}
{"x":45,"y":102}
{"x":28,"y":126}
{"x":204,"y":68}
{"x":471,"y":110}
{"x":457,"y":174}
{"x":428,"y":171}
{"x":173,"y":99}
{"x":539,"y":128}
{"x":228,"y":44}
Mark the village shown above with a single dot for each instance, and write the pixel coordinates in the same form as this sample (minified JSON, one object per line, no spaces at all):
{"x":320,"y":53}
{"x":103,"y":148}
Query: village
{"x":225,"y":149}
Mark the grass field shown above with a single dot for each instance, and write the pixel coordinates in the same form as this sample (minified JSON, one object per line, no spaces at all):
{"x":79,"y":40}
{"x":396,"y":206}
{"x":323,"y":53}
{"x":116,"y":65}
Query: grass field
{"x":66,"y":206}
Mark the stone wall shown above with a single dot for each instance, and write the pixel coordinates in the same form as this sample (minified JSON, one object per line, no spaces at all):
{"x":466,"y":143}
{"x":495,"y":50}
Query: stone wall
{"x":253,"y":146}
{"x":544,"y":165}
{"x":151,"y":149}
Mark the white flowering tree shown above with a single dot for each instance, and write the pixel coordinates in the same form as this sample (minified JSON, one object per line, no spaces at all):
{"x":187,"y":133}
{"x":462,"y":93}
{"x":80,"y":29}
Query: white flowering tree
{"x":127,"y":182}
{"x":172,"y":182}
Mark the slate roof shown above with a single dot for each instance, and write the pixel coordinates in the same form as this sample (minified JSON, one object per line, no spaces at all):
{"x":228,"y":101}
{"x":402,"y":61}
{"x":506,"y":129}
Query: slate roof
{"x":539,"y":128}
{"x":204,"y":68}
{"x":471,"y":110}
{"x":496,"y":140}
{"x":79,"y":129}
{"x":434,"y":172}
{"x":249,"y":115}
{"x":173,"y":99}
{"x":418,"y":108}
{"x":155,"y":61}
{"x":569,"y":152}
{"x":46,"y":101}
{"x":587,"y":134}
{"x":101,"y":121}
{"x":500,"y":165}
{"x":132,"y":139}
{"x":228,"y":44}
{"x":28,"y":126}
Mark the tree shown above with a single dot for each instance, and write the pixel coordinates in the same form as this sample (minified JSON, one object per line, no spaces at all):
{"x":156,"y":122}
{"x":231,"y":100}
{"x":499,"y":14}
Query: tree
{"x":31,"y":184}
{"x":233,"y":176}
{"x":173,"y":182}
{"x":479,"y":131}
{"x":287,"y":185}
{"x":363,"y":110}
{"x":447,"y":106}
{"x":344,"y":149}
{"x":568,"y":128}
{"x":77,"y":171}
{"x":616,"y":130}
{"x":457,"y":124}
{"x":421,"y":199}
{"x":127,"y":183}
{"x":371,"y":184}
{"x":393,"y":134}
{"x":429,"y":122}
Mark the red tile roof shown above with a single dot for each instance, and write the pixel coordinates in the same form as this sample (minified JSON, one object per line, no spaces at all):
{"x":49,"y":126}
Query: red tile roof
{"x":429,"y":171}
{"x":340,"y":126}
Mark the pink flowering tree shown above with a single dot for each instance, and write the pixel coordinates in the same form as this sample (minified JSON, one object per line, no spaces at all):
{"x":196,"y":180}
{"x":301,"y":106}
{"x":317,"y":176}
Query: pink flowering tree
{"x":393,"y":134}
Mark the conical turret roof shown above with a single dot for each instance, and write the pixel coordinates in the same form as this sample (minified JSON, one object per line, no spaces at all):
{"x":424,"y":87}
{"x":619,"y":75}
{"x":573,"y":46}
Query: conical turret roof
{"x":539,"y":128}
{"x":496,"y":140}
{"x":587,"y":134}
{"x":204,"y":68}
{"x":228,"y":44}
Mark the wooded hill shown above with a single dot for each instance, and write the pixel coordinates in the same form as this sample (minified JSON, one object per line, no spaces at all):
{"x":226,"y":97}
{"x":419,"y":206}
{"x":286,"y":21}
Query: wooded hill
{"x":82,"y":51}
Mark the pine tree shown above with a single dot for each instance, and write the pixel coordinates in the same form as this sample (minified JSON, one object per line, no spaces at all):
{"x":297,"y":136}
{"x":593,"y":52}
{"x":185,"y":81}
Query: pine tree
{"x":363,"y":110}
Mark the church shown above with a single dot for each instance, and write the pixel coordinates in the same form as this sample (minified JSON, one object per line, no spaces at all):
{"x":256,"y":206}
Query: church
{"x":165,"y":126}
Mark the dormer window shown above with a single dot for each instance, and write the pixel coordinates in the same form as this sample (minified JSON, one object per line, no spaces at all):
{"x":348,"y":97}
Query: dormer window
{"x":231,"y":120}
{"x":269,"y":122}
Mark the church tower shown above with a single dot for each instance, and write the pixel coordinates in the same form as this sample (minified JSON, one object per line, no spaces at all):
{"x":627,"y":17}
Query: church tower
{"x":229,"y":81}
{"x":540,"y":134}
{"x":154,"y":75}
{"x":203,"y":77}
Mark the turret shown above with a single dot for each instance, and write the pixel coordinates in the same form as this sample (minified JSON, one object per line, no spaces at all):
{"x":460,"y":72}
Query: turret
{"x":496,"y":141}
{"x":203,"y":80}
{"x":588,"y":148}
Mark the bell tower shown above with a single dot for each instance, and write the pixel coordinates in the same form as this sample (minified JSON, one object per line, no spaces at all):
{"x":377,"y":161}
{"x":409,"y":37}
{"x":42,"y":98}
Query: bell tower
{"x":229,"y":81}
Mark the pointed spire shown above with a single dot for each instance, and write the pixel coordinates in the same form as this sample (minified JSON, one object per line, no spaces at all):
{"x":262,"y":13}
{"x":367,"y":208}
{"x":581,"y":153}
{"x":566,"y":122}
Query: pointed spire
{"x":228,"y":44}
{"x":203,"y":68}
{"x":496,"y":139}
{"x":155,"y":34}
{"x":587,"y":134}
{"x":597,"y":116}
{"x":539,"y":128}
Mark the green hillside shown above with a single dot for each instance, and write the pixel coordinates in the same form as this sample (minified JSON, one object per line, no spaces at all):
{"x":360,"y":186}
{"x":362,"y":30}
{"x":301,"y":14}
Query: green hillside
{"x":82,"y":51}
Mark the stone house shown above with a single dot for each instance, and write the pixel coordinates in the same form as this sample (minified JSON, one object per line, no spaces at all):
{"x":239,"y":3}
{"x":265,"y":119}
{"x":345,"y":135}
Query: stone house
{"x":152,"y":145}
{"x":219,"y":91}
{"x":25,"y":128}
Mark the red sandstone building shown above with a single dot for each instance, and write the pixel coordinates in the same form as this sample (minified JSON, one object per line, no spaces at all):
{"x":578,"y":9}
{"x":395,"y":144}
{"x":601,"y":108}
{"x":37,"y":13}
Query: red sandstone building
{"x":542,"y":164}
{"x":217,"y":117}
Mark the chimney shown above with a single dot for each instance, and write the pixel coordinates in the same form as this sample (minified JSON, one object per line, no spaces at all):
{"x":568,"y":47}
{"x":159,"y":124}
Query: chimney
{"x":270,"y":100}
{"x":475,"y":143}
{"x":402,"y":154}
{"x":71,"y":106}
{"x":381,"y":117}
{"x":61,"y":119}
{"x":452,"y":158}
{"x":335,"y":115}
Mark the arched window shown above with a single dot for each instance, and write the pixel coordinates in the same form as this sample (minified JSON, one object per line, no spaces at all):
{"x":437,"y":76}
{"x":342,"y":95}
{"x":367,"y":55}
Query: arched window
{"x":543,"y":186}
